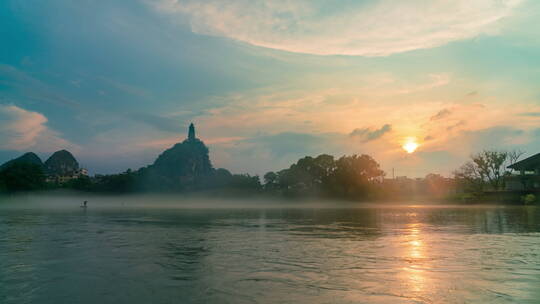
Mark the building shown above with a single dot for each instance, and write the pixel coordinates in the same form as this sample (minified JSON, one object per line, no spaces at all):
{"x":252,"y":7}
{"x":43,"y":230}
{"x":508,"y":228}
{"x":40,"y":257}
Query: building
{"x":83,"y":172}
{"x":528,"y":177}
{"x":61,"y":179}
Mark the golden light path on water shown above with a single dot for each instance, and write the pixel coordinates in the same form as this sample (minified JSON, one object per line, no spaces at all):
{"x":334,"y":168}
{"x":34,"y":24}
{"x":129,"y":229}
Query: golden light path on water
{"x":416,"y":258}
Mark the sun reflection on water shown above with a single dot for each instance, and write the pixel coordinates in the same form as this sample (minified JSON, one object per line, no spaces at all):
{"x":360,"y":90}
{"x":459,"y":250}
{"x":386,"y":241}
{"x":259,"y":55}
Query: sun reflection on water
{"x":415,"y":256}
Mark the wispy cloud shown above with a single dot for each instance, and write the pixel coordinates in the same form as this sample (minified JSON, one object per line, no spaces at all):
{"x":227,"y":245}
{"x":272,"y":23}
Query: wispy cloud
{"x":368,"y":134}
{"x":441,"y":114}
{"x":375,"y":28}
{"x":159,"y":122}
{"x":33,"y":88}
{"x":23,"y":130}
{"x":530,"y":114}
{"x":126,"y":88}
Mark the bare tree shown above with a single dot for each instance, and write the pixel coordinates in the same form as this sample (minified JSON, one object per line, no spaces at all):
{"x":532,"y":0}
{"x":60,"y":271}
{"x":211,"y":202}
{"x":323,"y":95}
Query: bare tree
{"x":487,"y":168}
{"x":470,"y":177}
{"x":513,"y":156}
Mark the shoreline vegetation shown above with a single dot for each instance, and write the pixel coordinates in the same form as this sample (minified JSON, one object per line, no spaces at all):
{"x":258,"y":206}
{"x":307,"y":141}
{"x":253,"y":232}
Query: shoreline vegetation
{"x":185,"y":169}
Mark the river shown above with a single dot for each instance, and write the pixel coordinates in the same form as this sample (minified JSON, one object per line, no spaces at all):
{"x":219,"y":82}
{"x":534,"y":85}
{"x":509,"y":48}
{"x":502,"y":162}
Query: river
{"x":268,"y":254}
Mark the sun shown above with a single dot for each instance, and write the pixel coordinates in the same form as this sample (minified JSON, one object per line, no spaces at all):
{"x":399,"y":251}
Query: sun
{"x":410,"y":146}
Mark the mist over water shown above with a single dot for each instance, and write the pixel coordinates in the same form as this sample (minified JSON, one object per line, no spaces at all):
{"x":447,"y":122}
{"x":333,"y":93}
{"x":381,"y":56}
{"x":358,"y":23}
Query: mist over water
{"x":170,"y":249}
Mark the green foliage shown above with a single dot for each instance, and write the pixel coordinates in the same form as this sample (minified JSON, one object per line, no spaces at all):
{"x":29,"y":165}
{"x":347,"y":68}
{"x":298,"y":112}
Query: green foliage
{"x":491,"y":167}
{"x":3,"y":186}
{"x":353,"y":177}
{"x":486,"y":169}
{"x":83,"y":183}
{"x":148,"y":180}
{"x":528,"y":199}
{"x":244,"y":182}
{"x":22,"y":176}
{"x":468,"y":178}
{"x":116,"y":183}
{"x":271,"y":182}
{"x":436,"y":185}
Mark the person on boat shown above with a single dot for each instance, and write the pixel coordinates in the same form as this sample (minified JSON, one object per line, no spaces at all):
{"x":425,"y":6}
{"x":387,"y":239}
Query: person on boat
{"x":84,"y":204}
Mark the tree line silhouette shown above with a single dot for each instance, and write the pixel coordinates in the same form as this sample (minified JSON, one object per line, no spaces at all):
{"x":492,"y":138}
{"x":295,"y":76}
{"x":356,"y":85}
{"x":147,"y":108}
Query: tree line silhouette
{"x":354,"y":177}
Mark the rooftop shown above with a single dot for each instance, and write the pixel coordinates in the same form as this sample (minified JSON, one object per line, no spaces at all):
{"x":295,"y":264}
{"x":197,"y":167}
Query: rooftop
{"x":527,"y":164}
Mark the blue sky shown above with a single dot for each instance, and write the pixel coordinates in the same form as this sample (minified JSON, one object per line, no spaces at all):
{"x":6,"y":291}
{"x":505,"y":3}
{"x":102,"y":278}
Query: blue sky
{"x":267,"y":82}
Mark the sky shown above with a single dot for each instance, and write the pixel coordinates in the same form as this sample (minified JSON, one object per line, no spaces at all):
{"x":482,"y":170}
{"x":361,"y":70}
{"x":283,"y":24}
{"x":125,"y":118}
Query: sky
{"x":268,"y":82}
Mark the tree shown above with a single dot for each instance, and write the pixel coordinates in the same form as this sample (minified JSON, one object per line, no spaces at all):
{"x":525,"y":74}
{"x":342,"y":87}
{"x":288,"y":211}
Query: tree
{"x":117,"y":183}
{"x":307,"y":176}
{"x":487,"y":168}
{"x":244,"y":182}
{"x":437,"y":185}
{"x":514,"y":156}
{"x":491,"y":167}
{"x":354,"y":176}
{"x":82,"y":183}
{"x":348,"y":177}
{"x":22,"y":176}
{"x":270,"y":181}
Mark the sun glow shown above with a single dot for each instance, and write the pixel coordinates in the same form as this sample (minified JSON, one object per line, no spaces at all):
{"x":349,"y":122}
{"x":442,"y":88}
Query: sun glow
{"x":410,"y":146}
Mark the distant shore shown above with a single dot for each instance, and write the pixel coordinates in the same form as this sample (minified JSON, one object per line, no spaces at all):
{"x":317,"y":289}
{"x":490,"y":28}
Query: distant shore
{"x":499,"y":198}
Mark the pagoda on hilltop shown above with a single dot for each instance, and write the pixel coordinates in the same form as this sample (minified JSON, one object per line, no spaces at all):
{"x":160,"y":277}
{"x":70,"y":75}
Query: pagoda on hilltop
{"x":191,"y":132}
{"x":185,"y":162}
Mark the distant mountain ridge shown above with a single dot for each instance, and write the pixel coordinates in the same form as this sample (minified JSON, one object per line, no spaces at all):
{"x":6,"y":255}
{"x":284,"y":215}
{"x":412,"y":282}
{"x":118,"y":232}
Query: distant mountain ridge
{"x":184,"y":163}
{"x":186,"y":166}
{"x":61,"y":163}
{"x":28,"y":157}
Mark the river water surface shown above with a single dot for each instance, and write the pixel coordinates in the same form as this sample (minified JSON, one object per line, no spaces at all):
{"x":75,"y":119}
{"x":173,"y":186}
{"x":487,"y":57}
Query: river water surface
{"x":400,"y":254}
